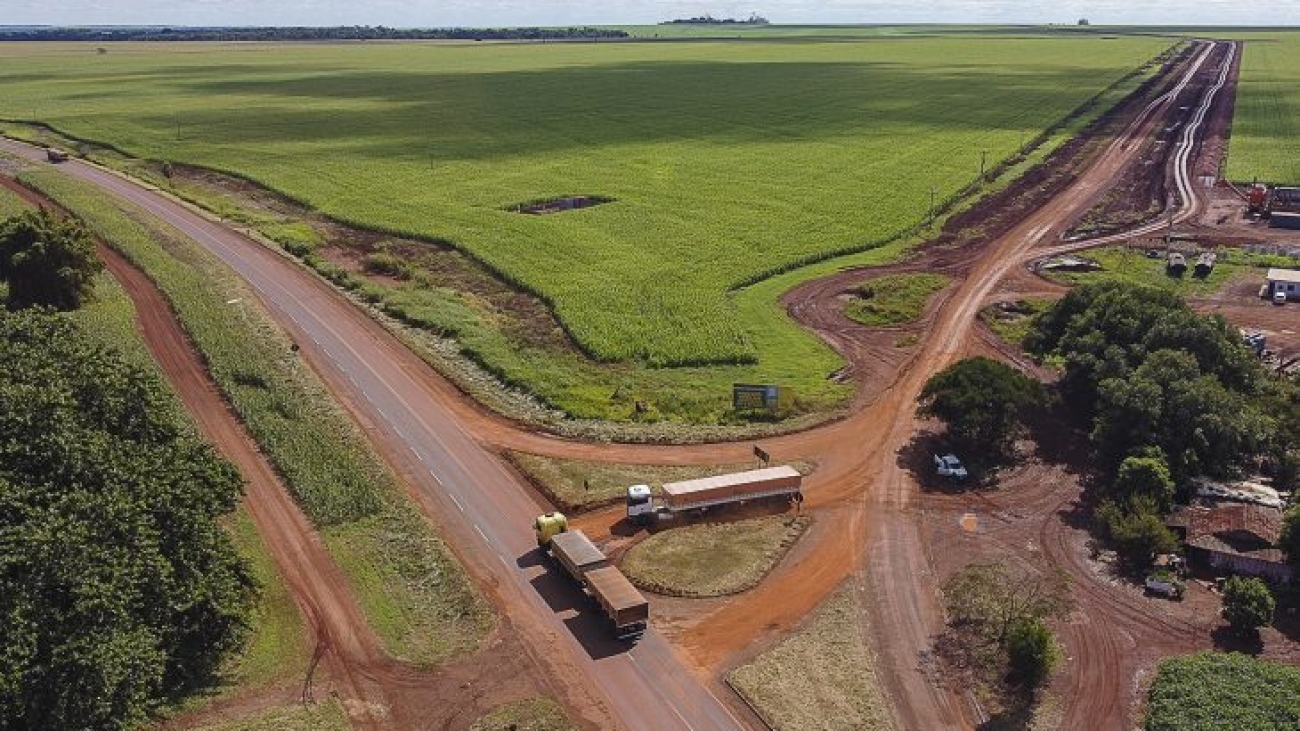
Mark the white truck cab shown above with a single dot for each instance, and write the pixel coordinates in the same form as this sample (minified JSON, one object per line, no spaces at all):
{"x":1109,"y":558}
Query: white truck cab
{"x":640,"y":504}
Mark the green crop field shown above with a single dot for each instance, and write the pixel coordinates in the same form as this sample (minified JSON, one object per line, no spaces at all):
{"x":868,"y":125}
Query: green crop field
{"x":725,"y":161}
{"x":1266,"y":129}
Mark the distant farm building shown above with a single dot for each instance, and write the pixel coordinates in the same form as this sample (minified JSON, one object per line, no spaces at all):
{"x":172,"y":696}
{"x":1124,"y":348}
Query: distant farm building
{"x":1283,"y":280}
{"x":1238,"y":538}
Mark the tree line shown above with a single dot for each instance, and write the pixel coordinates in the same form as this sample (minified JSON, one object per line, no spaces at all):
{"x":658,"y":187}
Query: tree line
{"x":341,"y":33}
{"x":119,"y":589}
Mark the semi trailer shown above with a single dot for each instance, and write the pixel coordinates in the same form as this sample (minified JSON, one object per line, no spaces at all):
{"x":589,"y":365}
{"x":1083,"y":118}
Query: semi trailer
{"x":706,"y":492}
{"x":584,"y":562}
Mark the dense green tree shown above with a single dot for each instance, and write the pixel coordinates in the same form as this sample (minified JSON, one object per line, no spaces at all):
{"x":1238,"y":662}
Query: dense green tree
{"x":1247,"y":603}
{"x":1145,"y":476}
{"x":1136,"y":530}
{"x":1032,"y":651}
{"x":117,"y":585}
{"x":1290,"y":539}
{"x":982,"y":402}
{"x":1153,"y":374}
{"x":47,"y":261}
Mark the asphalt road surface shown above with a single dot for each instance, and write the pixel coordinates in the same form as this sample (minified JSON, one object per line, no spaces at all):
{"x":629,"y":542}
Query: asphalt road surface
{"x":485,"y":512}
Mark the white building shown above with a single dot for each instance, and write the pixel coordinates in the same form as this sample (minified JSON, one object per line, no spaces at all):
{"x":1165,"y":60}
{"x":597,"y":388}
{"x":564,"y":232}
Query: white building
{"x":1284,"y":280}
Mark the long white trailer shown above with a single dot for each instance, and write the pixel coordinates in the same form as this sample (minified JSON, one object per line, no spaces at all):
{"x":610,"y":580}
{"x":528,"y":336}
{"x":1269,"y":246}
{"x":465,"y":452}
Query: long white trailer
{"x":707,"y":492}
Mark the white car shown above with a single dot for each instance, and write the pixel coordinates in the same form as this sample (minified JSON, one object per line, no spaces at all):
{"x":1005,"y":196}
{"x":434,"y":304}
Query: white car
{"x":1279,"y":297}
{"x":949,"y":466}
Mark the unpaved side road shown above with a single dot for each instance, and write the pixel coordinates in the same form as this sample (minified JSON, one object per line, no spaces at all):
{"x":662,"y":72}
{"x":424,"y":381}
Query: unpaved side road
{"x":346,"y":647}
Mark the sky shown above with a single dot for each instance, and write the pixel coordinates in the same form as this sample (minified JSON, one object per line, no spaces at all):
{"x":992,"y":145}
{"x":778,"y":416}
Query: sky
{"x":444,"y":13}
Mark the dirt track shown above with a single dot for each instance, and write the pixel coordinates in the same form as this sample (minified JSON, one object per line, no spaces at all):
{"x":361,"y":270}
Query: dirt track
{"x":863,"y":495}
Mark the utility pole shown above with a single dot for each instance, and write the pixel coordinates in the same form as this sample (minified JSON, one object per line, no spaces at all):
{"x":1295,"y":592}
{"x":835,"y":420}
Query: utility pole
{"x":984,"y":156}
{"x":933,"y":192}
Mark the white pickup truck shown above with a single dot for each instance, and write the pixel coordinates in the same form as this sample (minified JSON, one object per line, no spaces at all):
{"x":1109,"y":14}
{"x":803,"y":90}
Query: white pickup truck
{"x":949,"y":466}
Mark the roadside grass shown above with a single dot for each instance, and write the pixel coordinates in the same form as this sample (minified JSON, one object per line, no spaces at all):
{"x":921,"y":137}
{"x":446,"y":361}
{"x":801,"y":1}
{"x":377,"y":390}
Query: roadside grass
{"x":1013,"y":320}
{"x":424,"y":607}
{"x":324,"y":716}
{"x":894,"y":299}
{"x":537,"y":714}
{"x":728,"y":162}
{"x":712,"y":559}
{"x":1215,"y":691}
{"x":577,"y":485}
{"x":823,"y":677}
{"x":1122,"y":264}
{"x":11,"y":204}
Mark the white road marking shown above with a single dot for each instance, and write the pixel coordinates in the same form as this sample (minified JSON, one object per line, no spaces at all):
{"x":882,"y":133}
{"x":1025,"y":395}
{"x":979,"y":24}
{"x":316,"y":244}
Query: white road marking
{"x":481,"y":533}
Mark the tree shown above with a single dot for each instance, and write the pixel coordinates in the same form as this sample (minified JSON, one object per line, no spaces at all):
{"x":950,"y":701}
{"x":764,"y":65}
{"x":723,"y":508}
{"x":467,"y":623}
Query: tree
{"x":1136,"y":530}
{"x":1289,"y":541}
{"x":983,"y":402}
{"x":1084,"y":21}
{"x":1247,"y":603}
{"x":1145,"y":476}
{"x":1032,"y":651}
{"x":47,"y":261}
{"x":992,"y":598}
{"x":118,"y":587}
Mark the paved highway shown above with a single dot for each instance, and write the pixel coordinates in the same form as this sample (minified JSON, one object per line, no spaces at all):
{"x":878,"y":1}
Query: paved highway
{"x":480,"y":505}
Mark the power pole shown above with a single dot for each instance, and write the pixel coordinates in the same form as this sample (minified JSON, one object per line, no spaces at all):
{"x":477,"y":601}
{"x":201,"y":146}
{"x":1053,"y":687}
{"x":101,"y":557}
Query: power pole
{"x":933,"y":192}
{"x":984,"y":156}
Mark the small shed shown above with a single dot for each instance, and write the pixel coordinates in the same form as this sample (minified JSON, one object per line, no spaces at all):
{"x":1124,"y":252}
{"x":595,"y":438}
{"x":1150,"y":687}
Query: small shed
{"x":1284,"y":280}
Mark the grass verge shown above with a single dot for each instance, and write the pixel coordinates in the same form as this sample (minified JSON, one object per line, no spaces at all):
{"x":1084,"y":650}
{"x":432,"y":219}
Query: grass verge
{"x":1120,"y":263}
{"x":537,"y":714}
{"x":1012,"y":321}
{"x":894,"y":299}
{"x":822,"y":678}
{"x":327,"y":716}
{"x":712,"y":559}
{"x":10,"y":204}
{"x":424,"y":607}
{"x":1215,"y":691}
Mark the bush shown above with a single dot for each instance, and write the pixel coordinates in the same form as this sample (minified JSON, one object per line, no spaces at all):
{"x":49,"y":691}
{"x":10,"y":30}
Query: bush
{"x":1032,"y":651}
{"x":1137,"y":531}
{"x":1247,"y":604}
{"x":387,"y":264}
{"x":47,"y":261}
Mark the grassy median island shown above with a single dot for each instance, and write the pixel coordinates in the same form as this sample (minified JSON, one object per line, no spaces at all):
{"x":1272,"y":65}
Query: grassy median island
{"x":822,"y":678}
{"x":537,"y":714}
{"x":412,"y":589}
{"x":1216,"y":691}
{"x":894,"y":299}
{"x":712,"y":559}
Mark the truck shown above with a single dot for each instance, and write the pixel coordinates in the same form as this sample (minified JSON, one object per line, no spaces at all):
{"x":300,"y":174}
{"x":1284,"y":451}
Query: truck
{"x":706,"y":492}
{"x":620,"y":601}
{"x":55,"y":155}
{"x":948,"y":465}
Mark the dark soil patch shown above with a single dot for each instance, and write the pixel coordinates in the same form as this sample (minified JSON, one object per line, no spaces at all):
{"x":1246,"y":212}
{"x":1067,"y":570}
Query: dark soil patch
{"x":559,"y":205}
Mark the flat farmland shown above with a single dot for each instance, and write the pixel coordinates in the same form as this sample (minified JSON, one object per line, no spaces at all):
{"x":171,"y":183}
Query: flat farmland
{"x":723,"y":162}
{"x":1266,"y":129}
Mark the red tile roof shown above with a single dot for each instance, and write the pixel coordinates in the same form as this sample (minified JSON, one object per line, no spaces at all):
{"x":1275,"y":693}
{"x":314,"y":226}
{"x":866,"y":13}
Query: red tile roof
{"x":1234,"y":528}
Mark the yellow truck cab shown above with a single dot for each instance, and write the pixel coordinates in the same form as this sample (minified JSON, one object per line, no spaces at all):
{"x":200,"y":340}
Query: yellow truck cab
{"x":548,"y":526}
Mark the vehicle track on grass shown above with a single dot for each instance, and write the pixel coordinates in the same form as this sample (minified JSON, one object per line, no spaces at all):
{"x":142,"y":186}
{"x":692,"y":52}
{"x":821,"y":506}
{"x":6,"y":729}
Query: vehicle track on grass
{"x":864,"y":496}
